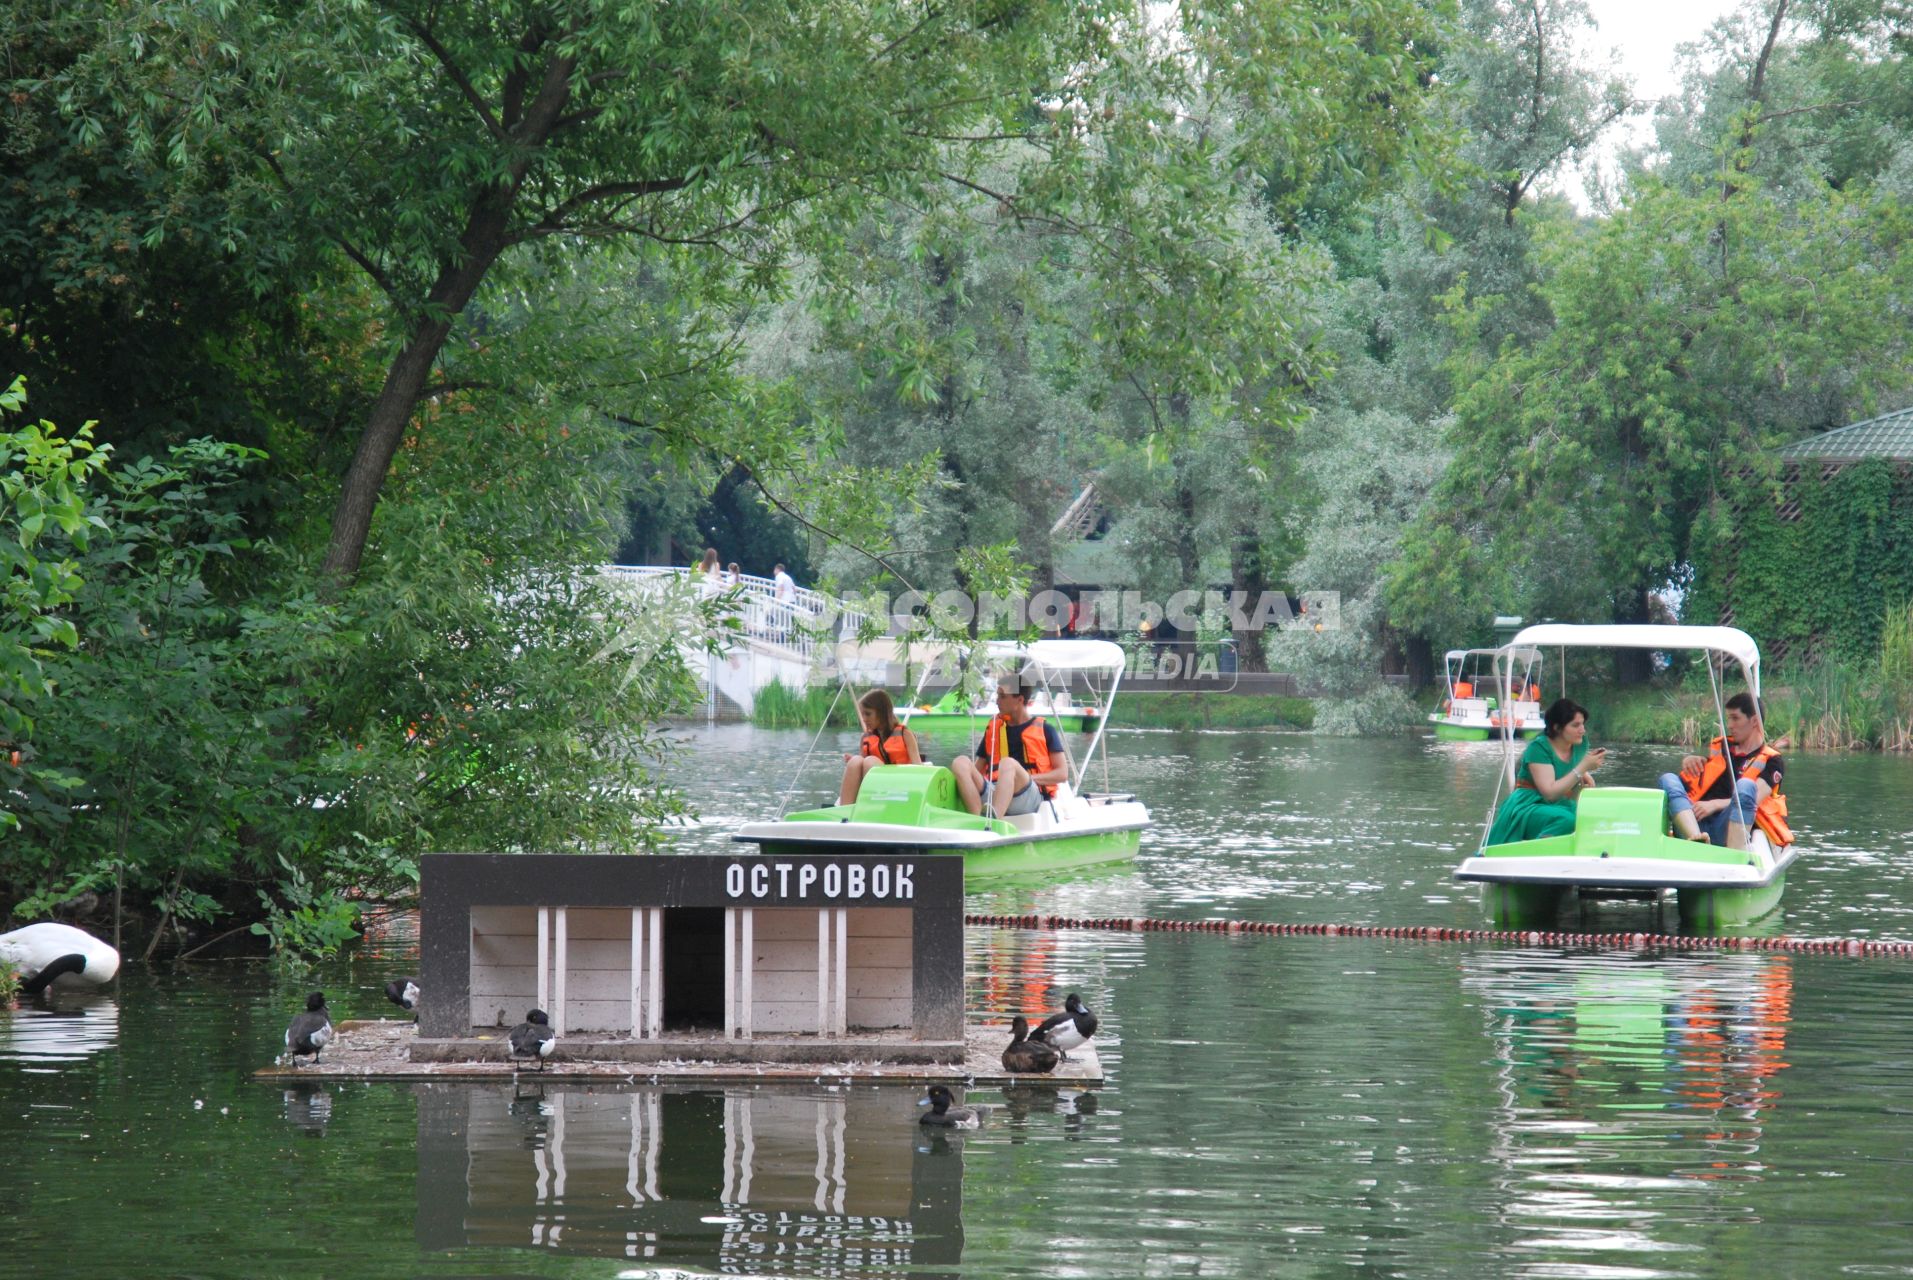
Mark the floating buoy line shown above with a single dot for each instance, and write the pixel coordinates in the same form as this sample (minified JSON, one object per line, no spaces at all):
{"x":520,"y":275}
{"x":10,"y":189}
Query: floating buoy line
{"x":1436,"y":933}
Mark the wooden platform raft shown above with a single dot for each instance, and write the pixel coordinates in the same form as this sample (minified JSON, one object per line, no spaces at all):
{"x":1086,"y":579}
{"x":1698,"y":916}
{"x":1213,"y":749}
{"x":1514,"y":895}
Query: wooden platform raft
{"x":391,"y":1050}
{"x":706,"y":966}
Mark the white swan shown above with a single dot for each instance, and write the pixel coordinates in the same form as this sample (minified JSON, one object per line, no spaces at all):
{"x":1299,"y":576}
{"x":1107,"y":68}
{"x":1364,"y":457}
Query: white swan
{"x":43,"y":953}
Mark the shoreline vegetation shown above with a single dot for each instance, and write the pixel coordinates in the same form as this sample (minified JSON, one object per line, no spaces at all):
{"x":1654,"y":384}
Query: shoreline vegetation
{"x":1827,"y":707}
{"x":778,"y":707}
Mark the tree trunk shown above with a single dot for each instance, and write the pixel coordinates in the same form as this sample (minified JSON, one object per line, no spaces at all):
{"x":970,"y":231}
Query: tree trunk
{"x":405,"y":381}
{"x":1632,"y":666}
{"x":1249,"y":575}
{"x":485,"y":237}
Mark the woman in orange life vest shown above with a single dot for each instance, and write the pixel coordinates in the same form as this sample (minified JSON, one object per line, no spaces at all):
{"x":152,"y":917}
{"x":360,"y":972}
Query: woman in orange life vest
{"x":1019,"y":761}
{"x":885,"y":741}
{"x":1707,"y":805}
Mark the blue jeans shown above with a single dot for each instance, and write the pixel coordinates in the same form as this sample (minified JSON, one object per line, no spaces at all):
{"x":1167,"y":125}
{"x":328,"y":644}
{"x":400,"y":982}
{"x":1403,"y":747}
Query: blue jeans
{"x":1716,"y":826}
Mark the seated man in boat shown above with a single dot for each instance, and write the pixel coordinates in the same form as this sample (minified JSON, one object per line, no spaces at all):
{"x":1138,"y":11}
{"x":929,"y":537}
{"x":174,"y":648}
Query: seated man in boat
{"x":1019,"y":761}
{"x":1553,"y":769}
{"x":1717,"y":797}
{"x":885,"y":741}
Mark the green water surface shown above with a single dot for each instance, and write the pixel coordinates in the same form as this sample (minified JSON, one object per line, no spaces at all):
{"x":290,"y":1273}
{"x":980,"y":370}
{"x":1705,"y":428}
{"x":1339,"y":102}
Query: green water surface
{"x":1275,"y":1106}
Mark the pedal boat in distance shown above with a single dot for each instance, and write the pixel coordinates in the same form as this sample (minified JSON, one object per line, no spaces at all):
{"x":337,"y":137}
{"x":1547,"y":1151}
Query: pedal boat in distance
{"x":1472,"y":710}
{"x":1620,"y":846}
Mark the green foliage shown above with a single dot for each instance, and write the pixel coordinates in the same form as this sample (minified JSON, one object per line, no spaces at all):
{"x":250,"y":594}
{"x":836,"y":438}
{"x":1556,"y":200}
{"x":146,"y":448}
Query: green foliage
{"x":9,"y":984}
{"x":1692,"y":332}
{"x":303,"y":921}
{"x":226,"y":747}
{"x":1821,"y":584}
{"x":44,"y":529}
{"x":1191,"y":710}
{"x":776,"y":707}
{"x":1373,"y":472}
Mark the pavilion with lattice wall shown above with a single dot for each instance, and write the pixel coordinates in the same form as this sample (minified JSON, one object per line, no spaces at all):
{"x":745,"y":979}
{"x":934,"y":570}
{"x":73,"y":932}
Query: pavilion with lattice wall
{"x":1809,"y":555}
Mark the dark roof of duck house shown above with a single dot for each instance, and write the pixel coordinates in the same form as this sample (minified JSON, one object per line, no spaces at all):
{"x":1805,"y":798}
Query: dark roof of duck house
{"x":1888,"y":436}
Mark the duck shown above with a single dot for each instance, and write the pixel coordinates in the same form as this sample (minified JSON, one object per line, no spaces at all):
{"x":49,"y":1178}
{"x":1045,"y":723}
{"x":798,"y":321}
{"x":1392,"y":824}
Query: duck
{"x":310,"y":1031}
{"x":534,"y":1038}
{"x":1026,"y":1056}
{"x":942,"y":1115}
{"x":403,"y":992}
{"x":41,"y":953}
{"x":1070,"y":1029}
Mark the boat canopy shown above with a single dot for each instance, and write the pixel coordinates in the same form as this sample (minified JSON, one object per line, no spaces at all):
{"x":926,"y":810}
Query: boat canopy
{"x":1060,"y":656}
{"x":1730,"y":641}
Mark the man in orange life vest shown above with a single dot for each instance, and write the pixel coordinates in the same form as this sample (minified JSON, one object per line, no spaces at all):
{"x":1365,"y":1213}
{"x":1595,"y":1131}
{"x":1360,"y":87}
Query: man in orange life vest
{"x":1019,"y":761}
{"x":1718,"y":797}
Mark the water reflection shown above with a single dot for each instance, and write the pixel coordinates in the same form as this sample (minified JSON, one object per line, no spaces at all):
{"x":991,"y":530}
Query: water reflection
{"x":752,"y":1181}
{"x":71,"y":1027}
{"x":1634,"y":1092}
{"x":308,"y":1109}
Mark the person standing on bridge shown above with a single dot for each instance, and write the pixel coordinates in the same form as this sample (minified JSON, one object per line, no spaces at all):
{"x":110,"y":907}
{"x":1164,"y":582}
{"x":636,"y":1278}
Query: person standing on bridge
{"x":784,"y":590}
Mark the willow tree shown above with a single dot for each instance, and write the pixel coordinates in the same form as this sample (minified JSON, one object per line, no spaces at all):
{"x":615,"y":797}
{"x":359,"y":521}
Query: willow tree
{"x":427,"y":144}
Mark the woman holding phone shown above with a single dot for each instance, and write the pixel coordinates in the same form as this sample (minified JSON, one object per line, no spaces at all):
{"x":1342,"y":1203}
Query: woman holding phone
{"x":1551,"y":773}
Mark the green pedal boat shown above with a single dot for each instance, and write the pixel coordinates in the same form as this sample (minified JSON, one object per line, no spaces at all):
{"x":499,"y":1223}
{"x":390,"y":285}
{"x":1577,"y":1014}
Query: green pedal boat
{"x":1618,"y":849}
{"x":1620,"y":846}
{"x":915,"y":808}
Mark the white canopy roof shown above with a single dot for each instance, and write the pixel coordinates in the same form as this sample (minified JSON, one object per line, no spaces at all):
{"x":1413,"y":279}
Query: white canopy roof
{"x":1732,"y":641}
{"x":1059,"y":655}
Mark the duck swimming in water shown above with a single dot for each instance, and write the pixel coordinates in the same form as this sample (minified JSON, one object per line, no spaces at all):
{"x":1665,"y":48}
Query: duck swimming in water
{"x":942,"y":1115}
{"x":1070,"y":1029}
{"x":1026,"y":1056}
{"x":310,"y":1031}
{"x":534,"y":1038}
{"x":41,"y":953}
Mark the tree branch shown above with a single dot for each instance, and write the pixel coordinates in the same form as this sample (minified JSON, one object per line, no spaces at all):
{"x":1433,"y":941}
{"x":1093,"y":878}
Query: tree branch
{"x":1818,"y":106}
{"x":554,"y":220}
{"x":370,"y":268}
{"x":465,"y":87}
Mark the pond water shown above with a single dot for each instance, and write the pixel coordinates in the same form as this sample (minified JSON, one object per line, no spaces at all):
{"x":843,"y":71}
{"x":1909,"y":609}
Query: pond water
{"x":1274,"y":1106}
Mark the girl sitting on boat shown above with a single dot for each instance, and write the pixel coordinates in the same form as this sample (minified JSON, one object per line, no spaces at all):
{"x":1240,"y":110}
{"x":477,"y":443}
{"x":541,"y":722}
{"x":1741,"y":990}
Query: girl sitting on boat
{"x":1552,"y":771}
{"x":885,"y":741}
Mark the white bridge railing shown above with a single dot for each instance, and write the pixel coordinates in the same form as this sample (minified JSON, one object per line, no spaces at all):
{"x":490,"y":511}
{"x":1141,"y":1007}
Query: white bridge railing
{"x":783,"y":638}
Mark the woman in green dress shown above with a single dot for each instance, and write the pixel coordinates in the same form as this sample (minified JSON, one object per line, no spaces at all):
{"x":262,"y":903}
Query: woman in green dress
{"x":1552,"y":771}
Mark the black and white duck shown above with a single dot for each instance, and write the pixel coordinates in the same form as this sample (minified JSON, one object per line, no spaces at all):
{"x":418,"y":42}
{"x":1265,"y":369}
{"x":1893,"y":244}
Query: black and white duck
{"x":403,"y":992}
{"x":534,"y":1038}
{"x":310,"y":1031}
{"x":1026,"y":1056}
{"x":942,"y":1115}
{"x":1070,"y":1029}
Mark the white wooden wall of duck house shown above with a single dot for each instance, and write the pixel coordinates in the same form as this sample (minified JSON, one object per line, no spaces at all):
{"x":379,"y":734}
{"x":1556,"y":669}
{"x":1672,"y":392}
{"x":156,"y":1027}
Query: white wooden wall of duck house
{"x":827,"y":971}
{"x":680,"y":938}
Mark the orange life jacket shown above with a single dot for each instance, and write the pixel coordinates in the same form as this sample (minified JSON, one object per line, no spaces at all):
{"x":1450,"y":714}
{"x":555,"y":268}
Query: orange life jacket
{"x":1463,"y":689}
{"x":890,"y":750}
{"x":1770,"y":814}
{"x":1036,"y":756}
{"x":1534,"y":693}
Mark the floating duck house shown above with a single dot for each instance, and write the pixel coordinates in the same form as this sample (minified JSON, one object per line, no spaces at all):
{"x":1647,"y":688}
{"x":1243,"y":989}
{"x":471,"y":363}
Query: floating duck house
{"x":814,"y":958}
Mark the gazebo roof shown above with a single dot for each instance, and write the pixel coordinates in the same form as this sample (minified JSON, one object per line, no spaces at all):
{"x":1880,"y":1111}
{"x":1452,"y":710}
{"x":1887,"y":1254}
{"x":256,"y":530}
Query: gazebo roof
{"x":1888,"y":436}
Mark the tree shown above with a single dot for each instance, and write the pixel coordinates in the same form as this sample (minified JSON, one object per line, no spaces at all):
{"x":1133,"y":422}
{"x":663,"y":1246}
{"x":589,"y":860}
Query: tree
{"x":1708,"y":319}
{"x":428,"y":144}
{"x":44,"y":528}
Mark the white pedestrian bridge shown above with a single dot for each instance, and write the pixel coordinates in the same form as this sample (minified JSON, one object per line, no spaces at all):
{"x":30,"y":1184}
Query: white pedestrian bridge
{"x":796,"y":639}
